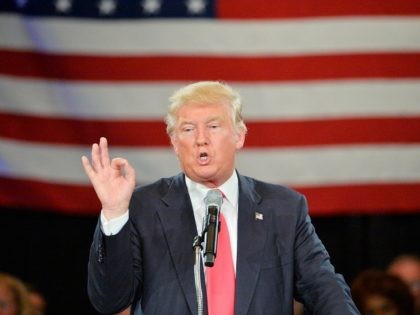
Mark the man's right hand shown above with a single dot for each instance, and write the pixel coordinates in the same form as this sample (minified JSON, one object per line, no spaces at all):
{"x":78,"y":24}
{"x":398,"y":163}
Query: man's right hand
{"x":113,"y":180}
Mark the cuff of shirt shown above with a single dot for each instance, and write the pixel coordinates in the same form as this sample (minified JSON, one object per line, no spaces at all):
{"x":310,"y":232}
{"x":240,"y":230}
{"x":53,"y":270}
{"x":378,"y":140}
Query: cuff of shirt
{"x":113,"y":226}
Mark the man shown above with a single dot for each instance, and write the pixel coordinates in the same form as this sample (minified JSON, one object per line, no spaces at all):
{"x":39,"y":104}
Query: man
{"x":142,"y":247}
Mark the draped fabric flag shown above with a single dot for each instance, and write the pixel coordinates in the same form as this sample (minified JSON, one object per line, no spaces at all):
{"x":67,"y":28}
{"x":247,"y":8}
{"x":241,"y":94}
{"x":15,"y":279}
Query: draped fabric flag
{"x":331,"y":94}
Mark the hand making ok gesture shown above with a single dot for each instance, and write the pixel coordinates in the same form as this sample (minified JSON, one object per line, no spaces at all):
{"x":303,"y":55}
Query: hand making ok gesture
{"x":113,"y":180}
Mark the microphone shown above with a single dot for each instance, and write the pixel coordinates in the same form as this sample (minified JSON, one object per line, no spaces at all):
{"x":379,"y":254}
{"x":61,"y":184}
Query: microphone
{"x":213,"y":203}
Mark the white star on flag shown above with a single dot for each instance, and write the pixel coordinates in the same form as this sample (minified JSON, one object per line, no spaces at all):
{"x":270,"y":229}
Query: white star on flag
{"x":151,"y":6}
{"x":196,"y":6}
{"x":106,"y":7}
{"x":63,"y":5}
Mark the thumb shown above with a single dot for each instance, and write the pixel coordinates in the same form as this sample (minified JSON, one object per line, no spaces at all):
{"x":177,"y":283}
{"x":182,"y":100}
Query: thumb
{"x":118,"y":163}
{"x":125,"y":168}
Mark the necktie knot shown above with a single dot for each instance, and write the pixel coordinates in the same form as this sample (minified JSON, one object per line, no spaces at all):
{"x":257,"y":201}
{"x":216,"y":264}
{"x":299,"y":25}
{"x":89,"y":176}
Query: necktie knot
{"x":223,"y":194}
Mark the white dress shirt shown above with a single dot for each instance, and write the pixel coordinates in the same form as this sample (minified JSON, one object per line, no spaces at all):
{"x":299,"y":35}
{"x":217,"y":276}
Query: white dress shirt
{"x":197,"y":194}
{"x":229,"y":209}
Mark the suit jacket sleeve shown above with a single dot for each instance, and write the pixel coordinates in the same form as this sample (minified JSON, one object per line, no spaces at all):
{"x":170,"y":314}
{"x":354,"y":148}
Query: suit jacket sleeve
{"x":111,"y":281}
{"x":317,"y":285}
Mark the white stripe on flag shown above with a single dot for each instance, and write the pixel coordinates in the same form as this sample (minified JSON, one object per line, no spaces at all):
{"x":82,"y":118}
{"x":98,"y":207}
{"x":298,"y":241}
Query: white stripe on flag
{"x":203,"y":37}
{"x":297,"y":166}
{"x":331,"y":99}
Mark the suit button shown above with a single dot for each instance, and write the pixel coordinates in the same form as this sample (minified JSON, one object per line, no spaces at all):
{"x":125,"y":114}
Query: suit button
{"x":100,"y":259}
{"x":100,"y":253}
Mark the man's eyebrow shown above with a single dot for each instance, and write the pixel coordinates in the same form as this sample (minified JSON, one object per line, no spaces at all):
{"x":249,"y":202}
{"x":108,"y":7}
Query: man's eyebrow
{"x":212,"y":119}
{"x":184,"y":122}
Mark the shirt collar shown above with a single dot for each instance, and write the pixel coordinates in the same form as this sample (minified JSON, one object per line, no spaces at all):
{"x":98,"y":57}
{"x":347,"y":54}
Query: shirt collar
{"x":229,"y":188}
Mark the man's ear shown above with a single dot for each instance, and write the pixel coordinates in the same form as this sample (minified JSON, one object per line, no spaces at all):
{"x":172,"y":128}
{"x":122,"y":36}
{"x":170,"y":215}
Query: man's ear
{"x":240,"y":140}
{"x":174,"y":143}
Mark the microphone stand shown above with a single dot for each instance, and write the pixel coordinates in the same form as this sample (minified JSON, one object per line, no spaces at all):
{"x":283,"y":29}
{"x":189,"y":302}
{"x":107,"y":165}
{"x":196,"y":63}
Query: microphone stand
{"x":197,"y":247}
{"x":211,"y":226}
{"x":208,"y":261}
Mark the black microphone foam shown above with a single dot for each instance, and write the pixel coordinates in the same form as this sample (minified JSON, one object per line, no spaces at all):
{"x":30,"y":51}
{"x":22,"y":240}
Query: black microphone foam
{"x":213,"y":202}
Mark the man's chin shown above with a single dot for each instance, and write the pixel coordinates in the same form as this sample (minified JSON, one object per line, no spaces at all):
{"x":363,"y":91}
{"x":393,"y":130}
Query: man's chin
{"x":207,"y":178}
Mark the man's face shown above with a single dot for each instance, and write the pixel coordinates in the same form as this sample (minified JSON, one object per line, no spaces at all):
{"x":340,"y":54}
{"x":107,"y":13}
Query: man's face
{"x":205,"y":142}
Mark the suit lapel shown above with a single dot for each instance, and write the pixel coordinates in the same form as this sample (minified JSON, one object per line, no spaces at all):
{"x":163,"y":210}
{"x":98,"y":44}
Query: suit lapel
{"x":251,"y":240}
{"x":179,"y":227}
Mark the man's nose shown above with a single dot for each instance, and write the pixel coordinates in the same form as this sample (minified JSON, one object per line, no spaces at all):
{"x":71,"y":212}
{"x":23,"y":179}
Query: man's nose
{"x":202,"y":136}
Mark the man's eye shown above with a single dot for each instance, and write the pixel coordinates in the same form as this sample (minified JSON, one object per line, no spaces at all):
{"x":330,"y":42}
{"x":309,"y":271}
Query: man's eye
{"x":187,"y":129}
{"x":214,"y":126}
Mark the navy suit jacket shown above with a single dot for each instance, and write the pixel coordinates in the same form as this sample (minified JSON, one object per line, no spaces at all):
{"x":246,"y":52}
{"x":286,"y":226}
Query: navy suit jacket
{"x":279,"y":256}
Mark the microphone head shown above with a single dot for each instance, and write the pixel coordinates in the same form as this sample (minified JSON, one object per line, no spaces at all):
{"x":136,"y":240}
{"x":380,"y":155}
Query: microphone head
{"x":214,"y":198}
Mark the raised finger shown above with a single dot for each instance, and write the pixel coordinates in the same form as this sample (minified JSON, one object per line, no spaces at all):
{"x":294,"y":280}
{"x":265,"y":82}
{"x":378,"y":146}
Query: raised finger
{"x":96,"y":157}
{"x":90,"y":172}
{"x":103,"y":146}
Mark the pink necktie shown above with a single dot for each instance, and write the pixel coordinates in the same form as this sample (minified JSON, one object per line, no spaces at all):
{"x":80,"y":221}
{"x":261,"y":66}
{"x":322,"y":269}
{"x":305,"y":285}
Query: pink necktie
{"x":221,"y":277}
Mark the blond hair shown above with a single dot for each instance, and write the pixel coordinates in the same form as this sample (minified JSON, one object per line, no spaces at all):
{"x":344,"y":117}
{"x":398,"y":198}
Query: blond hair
{"x":205,"y":92}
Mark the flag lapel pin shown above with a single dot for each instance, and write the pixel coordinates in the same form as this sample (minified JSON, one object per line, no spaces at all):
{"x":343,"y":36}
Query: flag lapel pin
{"x":259,"y":216}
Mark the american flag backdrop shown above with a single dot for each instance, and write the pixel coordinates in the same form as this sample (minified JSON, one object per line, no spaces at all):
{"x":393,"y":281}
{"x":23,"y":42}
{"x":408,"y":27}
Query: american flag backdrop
{"x":331,"y":94}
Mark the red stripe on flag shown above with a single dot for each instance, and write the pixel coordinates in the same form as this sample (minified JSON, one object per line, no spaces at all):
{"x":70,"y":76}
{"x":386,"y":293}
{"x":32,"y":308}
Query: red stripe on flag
{"x":261,"y":133}
{"x":334,"y":131}
{"x":149,"y":68}
{"x":365,"y":199}
{"x":350,"y":199}
{"x":246,"y":9}
{"x":48,"y":196}
{"x":73,"y":131}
